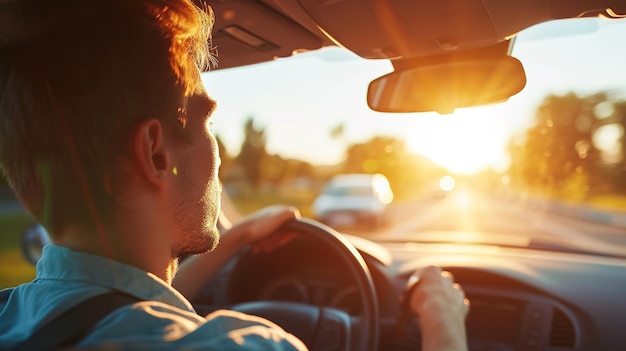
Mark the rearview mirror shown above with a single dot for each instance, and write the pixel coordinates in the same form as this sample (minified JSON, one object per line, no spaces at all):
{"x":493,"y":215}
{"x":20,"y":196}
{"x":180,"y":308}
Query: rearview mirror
{"x":447,"y":86}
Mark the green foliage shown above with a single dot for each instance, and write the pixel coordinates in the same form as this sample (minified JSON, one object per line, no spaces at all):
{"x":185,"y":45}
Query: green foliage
{"x":13,"y":224}
{"x":252,"y":152}
{"x":6,"y":194}
{"x":13,"y":268}
{"x":609,"y":202}
{"x":561,"y":154}
{"x":275,"y":170}
{"x":256,"y":168}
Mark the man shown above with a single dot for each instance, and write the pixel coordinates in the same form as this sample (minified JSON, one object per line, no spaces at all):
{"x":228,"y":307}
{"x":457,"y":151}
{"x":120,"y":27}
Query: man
{"x":103,"y":138}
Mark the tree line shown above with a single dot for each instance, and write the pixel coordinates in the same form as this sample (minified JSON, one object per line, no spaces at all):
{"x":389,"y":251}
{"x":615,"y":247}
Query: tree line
{"x":408,"y":173}
{"x":575,"y":149}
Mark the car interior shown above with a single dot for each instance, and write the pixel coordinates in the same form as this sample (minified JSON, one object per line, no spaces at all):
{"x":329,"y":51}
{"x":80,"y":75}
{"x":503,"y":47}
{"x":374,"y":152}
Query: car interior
{"x":531,"y":298}
{"x":337,"y":289}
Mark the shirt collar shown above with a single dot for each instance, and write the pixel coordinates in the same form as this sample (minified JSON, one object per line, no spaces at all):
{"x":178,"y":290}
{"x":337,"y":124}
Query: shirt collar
{"x":61,"y":263}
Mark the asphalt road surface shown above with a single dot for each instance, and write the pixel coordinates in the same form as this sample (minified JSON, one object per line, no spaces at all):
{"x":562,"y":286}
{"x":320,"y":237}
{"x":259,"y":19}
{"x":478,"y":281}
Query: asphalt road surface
{"x":469,"y":216}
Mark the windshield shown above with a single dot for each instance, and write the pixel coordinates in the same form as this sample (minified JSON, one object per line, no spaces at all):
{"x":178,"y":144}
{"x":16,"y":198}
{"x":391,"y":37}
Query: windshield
{"x":545,"y":169}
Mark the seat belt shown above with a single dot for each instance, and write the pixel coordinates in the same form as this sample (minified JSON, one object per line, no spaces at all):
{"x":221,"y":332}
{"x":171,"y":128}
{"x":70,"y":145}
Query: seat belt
{"x":72,"y":325}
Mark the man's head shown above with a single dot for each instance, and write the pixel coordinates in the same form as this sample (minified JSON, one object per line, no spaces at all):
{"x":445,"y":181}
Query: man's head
{"x":81,"y":82}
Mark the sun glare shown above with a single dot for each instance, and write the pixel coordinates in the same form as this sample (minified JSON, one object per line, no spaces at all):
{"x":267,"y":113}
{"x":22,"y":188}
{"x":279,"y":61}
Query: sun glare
{"x":447,"y":183}
{"x":465,"y":142}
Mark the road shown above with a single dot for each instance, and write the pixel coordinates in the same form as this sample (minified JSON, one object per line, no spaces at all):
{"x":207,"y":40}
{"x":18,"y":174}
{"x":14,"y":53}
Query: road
{"x":469,"y":216}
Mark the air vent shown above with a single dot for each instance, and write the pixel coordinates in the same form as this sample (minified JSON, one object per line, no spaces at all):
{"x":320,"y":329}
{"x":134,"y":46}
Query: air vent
{"x":562,"y":333}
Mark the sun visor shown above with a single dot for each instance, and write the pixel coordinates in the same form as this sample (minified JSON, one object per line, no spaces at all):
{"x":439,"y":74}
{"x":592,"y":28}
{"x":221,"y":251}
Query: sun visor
{"x":247,"y":32}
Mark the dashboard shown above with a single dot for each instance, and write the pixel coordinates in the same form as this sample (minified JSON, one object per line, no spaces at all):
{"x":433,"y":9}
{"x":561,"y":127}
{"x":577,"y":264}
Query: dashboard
{"x":521,"y":299}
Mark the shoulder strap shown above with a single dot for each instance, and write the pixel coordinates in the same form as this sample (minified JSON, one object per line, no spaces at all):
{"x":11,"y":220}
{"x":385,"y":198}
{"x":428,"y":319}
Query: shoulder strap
{"x":72,"y":325}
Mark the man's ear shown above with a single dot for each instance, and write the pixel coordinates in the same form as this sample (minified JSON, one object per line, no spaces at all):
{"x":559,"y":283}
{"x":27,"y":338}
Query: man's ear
{"x":150,"y":152}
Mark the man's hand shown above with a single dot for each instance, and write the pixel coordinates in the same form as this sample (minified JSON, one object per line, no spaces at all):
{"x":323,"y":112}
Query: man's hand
{"x":442,"y":307}
{"x":260,"y":225}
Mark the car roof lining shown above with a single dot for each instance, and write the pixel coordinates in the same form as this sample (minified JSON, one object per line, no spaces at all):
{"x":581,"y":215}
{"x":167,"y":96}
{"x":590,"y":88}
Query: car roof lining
{"x":253,"y":31}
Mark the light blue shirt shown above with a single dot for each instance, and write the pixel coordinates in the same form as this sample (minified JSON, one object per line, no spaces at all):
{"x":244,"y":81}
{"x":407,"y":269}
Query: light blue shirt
{"x":164,"y":321}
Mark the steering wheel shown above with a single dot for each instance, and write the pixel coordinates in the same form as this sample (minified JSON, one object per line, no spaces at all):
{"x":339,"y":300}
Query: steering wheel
{"x":325,"y":328}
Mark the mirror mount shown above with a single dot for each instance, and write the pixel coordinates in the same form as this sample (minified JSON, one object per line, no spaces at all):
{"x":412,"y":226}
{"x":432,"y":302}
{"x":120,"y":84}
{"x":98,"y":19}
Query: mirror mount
{"x":484,"y":53}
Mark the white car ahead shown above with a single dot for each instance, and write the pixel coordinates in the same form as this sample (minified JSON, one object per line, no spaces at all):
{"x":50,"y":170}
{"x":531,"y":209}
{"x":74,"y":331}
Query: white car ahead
{"x":354,"y":200}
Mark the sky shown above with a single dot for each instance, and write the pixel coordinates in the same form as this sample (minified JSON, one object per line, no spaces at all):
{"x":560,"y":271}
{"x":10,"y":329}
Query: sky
{"x":299,"y":100}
